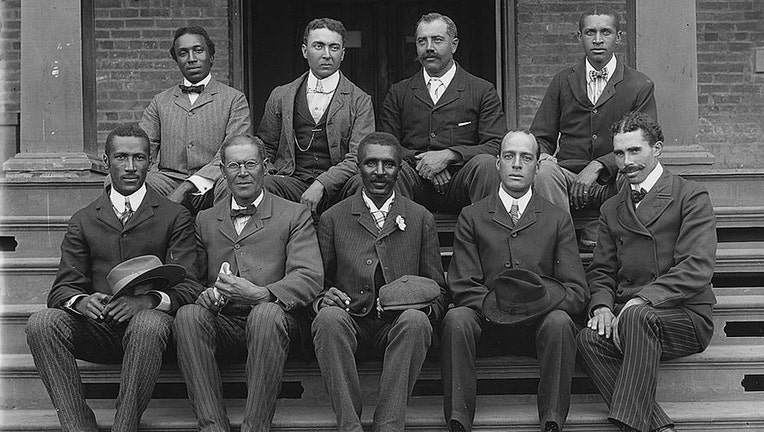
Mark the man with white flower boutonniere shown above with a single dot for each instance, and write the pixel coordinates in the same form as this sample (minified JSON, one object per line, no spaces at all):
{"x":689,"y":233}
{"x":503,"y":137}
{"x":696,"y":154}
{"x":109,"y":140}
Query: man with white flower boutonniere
{"x":384,"y":290}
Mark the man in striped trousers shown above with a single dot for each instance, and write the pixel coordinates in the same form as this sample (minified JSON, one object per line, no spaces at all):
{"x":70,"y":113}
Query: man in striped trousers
{"x":650,"y":279}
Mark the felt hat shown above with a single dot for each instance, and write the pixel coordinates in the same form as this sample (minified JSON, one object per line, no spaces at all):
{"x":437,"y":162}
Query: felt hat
{"x":127,"y":275}
{"x":408,"y":292}
{"x":518,"y":296}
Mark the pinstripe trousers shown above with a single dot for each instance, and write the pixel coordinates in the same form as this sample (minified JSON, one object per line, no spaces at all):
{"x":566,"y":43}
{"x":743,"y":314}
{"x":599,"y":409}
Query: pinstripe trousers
{"x":263,"y":338}
{"x":57,"y":338}
{"x":628,"y":380}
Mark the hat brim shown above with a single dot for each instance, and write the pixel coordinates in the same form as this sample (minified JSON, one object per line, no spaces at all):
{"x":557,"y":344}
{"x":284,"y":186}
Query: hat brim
{"x":495,"y":315}
{"x":169,"y":275}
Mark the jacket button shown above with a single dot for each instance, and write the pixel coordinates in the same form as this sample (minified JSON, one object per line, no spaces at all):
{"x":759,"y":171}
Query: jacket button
{"x":379,"y":242}
{"x":236,"y":246}
{"x":432,"y":134}
{"x":514,"y":235}
{"x":594,"y":110}
{"x":363,"y":309}
{"x":368,"y":262}
{"x":508,"y":264}
{"x":361,"y":292}
{"x":190,"y":113}
{"x":594,"y":136}
{"x":124,"y":234}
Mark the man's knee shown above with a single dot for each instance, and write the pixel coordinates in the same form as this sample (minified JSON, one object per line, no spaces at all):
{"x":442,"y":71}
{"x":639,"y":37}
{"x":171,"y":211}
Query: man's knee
{"x":459,"y":320}
{"x":587,"y":340}
{"x":149,"y":324}
{"x":43,"y":324}
{"x":414,"y":321}
{"x":331,"y":320}
{"x":267,"y":320}
{"x":190,"y":319}
{"x":637,"y":316}
{"x":483,"y":164}
{"x":557,"y":321}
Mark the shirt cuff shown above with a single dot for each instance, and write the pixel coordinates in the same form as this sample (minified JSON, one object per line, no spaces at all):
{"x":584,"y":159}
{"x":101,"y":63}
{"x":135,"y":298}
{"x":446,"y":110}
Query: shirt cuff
{"x":164,"y":301}
{"x":69,"y":305}
{"x":202,"y":184}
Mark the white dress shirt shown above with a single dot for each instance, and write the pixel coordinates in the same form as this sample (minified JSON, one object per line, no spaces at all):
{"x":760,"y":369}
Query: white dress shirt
{"x":202,"y":184}
{"x":445,"y":80}
{"x":522,"y":202}
{"x":649,"y":182}
{"x":594,"y":87}
{"x":240,"y":222}
{"x":320,"y":97}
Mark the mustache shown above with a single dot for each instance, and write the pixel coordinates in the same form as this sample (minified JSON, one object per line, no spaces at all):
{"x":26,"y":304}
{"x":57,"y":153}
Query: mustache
{"x":428,"y":54}
{"x":631,"y":168}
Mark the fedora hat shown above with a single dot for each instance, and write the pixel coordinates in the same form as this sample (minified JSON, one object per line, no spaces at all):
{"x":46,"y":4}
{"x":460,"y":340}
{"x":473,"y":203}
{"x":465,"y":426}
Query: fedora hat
{"x":127,"y":275}
{"x":518,"y":296}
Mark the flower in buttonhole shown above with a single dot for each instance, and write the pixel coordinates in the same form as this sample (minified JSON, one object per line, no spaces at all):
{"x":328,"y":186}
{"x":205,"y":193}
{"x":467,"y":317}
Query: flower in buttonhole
{"x":400,"y":222}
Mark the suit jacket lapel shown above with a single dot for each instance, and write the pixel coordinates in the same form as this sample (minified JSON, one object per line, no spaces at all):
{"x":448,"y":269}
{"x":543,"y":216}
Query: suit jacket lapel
{"x":391,"y":226}
{"x":609,"y":90}
{"x":362,"y":214}
{"x":145,"y":211}
{"x":287,"y":111}
{"x":454,"y":90}
{"x":577,"y":83}
{"x":207,"y":96}
{"x":529,"y":216}
{"x":339,"y":99}
{"x":181,"y":99}
{"x":419,"y":89}
{"x":105,"y":212}
{"x":225,"y":225}
{"x":500,"y":215}
{"x":256,"y":222}
{"x":627,"y":217}
{"x":657,"y":200}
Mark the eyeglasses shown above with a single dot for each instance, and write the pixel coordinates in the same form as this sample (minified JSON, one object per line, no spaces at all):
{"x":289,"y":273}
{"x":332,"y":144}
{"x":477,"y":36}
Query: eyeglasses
{"x":249,"y":165}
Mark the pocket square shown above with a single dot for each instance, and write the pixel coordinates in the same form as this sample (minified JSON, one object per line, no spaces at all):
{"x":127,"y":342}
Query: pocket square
{"x":463,"y":123}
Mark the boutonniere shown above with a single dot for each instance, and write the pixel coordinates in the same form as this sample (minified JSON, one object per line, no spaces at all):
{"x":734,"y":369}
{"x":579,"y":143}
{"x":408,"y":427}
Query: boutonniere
{"x":400,"y":222}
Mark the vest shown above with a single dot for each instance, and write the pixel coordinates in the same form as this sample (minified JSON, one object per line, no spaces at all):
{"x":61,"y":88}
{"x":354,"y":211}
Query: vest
{"x":311,"y":151}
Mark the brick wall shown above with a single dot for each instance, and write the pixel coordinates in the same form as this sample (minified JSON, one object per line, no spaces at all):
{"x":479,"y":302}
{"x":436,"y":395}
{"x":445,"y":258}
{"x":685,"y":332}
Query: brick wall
{"x":731,"y":95}
{"x":10,"y":56}
{"x":133,"y":63}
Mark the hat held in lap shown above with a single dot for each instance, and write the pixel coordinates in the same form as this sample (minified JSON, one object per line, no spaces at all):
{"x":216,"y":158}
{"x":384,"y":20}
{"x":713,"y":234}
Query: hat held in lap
{"x":518,"y":296}
{"x":125,"y":277}
{"x":407,"y":292}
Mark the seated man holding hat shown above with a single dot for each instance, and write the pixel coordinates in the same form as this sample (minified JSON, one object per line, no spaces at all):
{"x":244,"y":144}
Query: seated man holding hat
{"x":517,"y":284}
{"x":384,"y":289}
{"x":105,"y":305}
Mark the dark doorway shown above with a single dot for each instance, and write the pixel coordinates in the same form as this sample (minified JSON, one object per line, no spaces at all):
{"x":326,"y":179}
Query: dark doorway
{"x":380,"y":49}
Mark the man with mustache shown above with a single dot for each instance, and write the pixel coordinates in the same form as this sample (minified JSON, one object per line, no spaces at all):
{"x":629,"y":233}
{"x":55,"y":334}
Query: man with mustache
{"x":188,"y":123}
{"x":577,"y":167}
{"x":650,"y":280}
{"x":449,"y":122}
{"x":367,"y":241}
{"x":312,"y":126}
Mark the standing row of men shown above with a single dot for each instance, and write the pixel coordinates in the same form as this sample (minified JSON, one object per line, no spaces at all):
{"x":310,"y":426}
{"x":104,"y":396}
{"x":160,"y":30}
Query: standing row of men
{"x":258,"y":272}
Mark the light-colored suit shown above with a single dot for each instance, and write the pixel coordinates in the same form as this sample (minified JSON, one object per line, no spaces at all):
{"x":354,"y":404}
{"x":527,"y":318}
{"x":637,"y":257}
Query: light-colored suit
{"x":278,"y":250}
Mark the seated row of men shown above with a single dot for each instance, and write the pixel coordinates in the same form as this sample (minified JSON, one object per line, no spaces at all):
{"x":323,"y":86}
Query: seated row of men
{"x":260,"y":285}
{"x":449,"y":122}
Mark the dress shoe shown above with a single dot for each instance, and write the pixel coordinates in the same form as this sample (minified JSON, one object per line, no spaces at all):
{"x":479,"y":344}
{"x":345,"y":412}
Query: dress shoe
{"x":455,"y":426}
{"x":551,"y":427}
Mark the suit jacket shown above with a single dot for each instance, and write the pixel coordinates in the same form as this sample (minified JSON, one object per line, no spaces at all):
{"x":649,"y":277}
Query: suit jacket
{"x":95,"y":242}
{"x":664,"y":251}
{"x":467,"y":119}
{"x":486,"y":243}
{"x":187,"y":138}
{"x":583,"y":128}
{"x":352,"y":247}
{"x":350,"y":117}
{"x":277,"y":249}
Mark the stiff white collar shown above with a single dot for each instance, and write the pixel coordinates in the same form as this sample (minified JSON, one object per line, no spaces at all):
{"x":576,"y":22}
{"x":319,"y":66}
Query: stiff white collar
{"x":522,"y":202}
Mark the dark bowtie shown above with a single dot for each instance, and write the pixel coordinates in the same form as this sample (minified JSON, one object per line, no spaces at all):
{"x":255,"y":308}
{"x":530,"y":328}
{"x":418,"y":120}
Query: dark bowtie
{"x":599,"y":74}
{"x":637,"y":195}
{"x":192,"y":88}
{"x":248,"y":211}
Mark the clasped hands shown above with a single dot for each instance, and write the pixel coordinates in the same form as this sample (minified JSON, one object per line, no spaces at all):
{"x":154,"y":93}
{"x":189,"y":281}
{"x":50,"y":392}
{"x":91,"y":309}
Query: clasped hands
{"x":101,"y":307}
{"x":578,"y":192}
{"x":431,"y":165}
{"x":234,"y":288}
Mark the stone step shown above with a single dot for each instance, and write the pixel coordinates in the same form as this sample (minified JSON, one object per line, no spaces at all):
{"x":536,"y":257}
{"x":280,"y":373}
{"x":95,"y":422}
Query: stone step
{"x":48,"y":197}
{"x":493,"y":414}
{"x":723,"y":372}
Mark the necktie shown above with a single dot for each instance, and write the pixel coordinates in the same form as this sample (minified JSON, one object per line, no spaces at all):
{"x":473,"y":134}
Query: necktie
{"x":599,"y":74}
{"x":379,"y":218}
{"x":127,"y":214}
{"x":434,"y":87}
{"x":514,"y":212}
{"x":247,"y":211}
{"x":192,"y":88}
{"x":319,"y":87}
{"x":637,"y":195}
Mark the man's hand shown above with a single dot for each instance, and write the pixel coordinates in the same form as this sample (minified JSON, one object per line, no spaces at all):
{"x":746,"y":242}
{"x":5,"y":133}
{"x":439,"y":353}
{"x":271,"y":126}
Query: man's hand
{"x":636,"y":301}
{"x":312,"y":196}
{"x":440,"y":181}
{"x":183,"y":190}
{"x":432,"y":162}
{"x":579,"y":190}
{"x":125,"y":307}
{"x":602,"y":321}
{"x":208,"y":300}
{"x":545,"y":156}
{"x":92,"y":306}
{"x":240,"y":290}
{"x":335,"y":297}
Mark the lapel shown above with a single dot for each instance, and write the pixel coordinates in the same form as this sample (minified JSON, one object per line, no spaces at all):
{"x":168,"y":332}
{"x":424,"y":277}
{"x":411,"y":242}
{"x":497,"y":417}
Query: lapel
{"x":145,"y":210}
{"x":577,"y":83}
{"x":225,"y":224}
{"x":397,"y":209}
{"x":105,"y":211}
{"x":181,"y":99}
{"x":362,"y":214}
{"x":502,"y":217}
{"x":529,"y":216}
{"x":609,"y":90}
{"x":657,"y":200}
{"x":626,"y":214}
{"x":257,"y":221}
{"x":500,"y":214}
{"x":287,"y":111}
{"x":418,"y":88}
{"x":454,"y":90}
{"x":339,"y":99}
{"x":207,"y":96}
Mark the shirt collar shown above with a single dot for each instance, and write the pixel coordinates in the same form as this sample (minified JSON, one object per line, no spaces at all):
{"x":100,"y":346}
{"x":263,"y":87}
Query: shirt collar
{"x":610,"y":69}
{"x":136,"y":198}
{"x":256,"y":202}
{"x":651,"y":179}
{"x":373,"y":207}
{"x":445,"y":79}
{"x":522,"y":202}
{"x":329,"y":83}
{"x":203,"y":82}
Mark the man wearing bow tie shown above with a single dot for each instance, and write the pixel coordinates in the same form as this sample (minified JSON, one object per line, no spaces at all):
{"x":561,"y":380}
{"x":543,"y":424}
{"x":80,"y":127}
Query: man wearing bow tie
{"x":650,"y":280}
{"x":254,"y":308}
{"x":188,"y":123}
{"x":312,"y":126}
{"x":577,"y":167}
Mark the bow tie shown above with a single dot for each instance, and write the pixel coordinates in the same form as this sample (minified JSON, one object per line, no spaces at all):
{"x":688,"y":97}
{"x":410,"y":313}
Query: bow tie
{"x":248,"y":211}
{"x":637,"y":195}
{"x":599,"y":74}
{"x":192,"y":88}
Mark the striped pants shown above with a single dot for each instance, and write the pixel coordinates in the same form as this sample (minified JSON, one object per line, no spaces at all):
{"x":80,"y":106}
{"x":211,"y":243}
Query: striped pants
{"x":627,"y":381}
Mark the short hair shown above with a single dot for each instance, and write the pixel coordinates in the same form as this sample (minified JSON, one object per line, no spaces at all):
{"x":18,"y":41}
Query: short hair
{"x":126,"y":130}
{"x":432,"y":16}
{"x":600,"y":10}
{"x":383,"y":139}
{"x":525,"y":132}
{"x":327,"y":23}
{"x":255,"y":141}
{"x":636,"y":120}
{"x":197,"y":30}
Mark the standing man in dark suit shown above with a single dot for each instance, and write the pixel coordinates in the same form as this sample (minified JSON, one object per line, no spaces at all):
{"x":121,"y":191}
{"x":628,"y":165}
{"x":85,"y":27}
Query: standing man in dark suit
{"x":449,"y":122}
{"x":127,"y":221}
{"x":650,"y":278}
{"x":260,"y":259}
{"x":312,"y":126}
{"x":369,"y":240}
{"x":188,"y":123}
{"x":513,"y":228}
{"x":577,"y":166}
